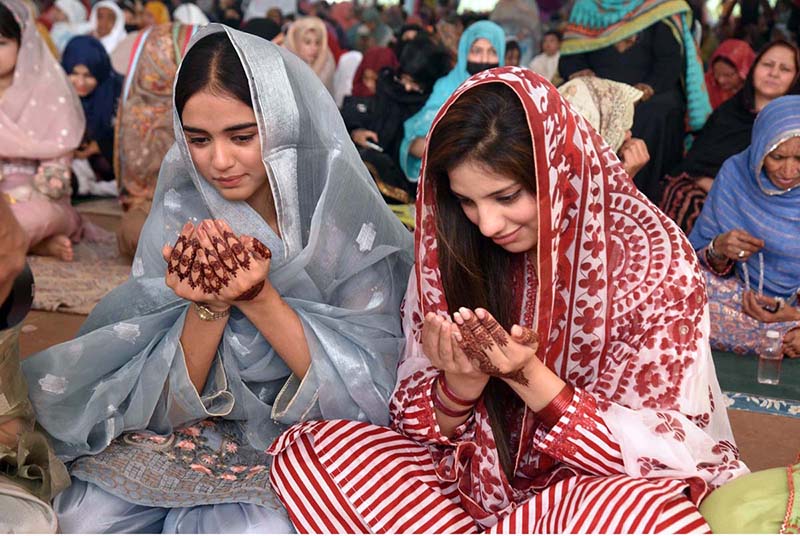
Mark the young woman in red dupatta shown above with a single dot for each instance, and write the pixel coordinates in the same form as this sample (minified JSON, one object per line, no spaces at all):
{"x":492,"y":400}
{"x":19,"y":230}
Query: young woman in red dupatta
{"x":621,"y":426}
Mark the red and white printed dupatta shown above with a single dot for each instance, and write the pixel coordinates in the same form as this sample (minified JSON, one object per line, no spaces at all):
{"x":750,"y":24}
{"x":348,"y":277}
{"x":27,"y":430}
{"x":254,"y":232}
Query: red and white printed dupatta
{"x":620,"y":307}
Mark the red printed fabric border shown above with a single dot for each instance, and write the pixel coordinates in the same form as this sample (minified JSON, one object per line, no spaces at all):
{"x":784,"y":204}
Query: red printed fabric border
{"x":791,"y":523}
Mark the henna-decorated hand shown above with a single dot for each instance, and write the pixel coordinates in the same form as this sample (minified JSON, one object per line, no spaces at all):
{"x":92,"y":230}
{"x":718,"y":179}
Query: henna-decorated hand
{"x":440,"y":346}
{"x":185,"y":269}
{"x":237,"y":267}
{"x":494,"y":351}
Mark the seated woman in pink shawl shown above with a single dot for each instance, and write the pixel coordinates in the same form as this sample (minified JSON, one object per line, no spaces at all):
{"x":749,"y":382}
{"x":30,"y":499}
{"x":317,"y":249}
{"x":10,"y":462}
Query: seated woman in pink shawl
{"x":557,"y":375}
{"x":41,"y":125}
{"x":308,"y":39}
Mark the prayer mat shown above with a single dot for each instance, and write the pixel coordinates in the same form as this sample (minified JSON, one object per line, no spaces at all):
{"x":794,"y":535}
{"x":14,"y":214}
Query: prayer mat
{"x":77,"y":286}
{"x":737,"y":377}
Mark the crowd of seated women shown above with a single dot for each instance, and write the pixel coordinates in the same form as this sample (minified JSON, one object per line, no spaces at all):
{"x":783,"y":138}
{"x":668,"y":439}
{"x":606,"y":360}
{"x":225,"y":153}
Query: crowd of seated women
{"x":287,"y":356}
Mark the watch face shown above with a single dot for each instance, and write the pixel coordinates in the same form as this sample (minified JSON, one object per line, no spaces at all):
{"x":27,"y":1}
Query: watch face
{"x":204,"y":312}
{"x":207,"y":314}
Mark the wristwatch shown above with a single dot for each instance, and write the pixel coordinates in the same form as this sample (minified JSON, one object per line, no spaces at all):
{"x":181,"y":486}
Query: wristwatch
{"x":205,"y":313}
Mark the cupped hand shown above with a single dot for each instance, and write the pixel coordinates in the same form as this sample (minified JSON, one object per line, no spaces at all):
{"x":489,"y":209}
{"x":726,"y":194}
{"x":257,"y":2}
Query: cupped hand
{"x":753,"y":305}
{"x":440,"y":345}
{"x":237,"y":267}
{"x":494,"y":351}
{"x":185,"y":268}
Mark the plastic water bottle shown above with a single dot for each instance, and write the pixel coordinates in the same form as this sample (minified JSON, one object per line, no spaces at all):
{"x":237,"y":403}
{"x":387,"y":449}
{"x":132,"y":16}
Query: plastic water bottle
{"x":770,"y":358}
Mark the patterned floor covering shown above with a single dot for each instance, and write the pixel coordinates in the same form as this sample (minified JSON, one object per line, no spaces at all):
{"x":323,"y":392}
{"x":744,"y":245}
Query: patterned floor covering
{"x":76,"y":287}
{"x":737,"y":377}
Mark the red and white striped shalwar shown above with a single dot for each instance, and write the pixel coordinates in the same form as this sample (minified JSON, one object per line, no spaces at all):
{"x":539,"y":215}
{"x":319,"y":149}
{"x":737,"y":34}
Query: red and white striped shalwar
{"x":352,"y":477}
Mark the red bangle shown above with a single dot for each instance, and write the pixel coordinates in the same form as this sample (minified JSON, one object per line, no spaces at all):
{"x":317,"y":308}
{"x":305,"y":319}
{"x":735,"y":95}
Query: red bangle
{"x":552,"y":412}
{"x":725,"y":271}
{"x":440,"y":405}
{"x":451,"y":395}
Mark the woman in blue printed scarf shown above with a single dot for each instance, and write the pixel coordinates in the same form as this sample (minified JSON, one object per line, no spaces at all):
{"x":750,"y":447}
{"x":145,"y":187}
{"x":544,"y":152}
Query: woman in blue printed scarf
{"x":746,"y":236}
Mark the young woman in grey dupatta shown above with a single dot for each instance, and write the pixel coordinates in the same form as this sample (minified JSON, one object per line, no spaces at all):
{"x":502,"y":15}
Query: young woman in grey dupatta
{"x":149,"y":453}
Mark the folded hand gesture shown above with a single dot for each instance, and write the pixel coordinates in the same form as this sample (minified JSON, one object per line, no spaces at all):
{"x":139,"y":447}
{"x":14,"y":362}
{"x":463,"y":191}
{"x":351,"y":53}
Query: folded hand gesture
{"x":210,"y":264}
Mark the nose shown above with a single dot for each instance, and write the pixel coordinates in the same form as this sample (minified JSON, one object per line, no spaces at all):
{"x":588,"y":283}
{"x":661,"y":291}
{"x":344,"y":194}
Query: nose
{"x":490,"y":221}
{"x":221,"y":157}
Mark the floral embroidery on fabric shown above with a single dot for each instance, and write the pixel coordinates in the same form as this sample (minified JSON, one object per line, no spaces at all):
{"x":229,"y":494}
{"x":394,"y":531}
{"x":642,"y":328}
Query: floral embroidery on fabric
{"x":618,"y":301}
{"x":205,"y":463}
{"x":195,"y":450}
{"x":728,"y":463}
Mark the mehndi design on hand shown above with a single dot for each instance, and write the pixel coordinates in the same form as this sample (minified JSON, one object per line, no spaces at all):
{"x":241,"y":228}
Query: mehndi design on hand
{"x":478,"y":337}
{"x":225,"y":255}
{"x":175,"y":257}
{"x":212,"y":268}
{"x":261,"y":250}
{"x":251,"y":293}
{"x":188,"y":258}
{"x":475,"y":340}
{"x":239,"y":252}
{"x":528,"y":337}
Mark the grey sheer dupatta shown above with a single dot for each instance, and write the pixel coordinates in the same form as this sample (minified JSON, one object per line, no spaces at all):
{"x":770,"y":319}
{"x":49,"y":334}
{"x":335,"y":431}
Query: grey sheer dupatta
{"x":342,"y":264}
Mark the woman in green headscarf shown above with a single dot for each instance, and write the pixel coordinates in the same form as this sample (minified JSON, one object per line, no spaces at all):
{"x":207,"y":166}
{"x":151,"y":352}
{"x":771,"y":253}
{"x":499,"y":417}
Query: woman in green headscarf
{"x":482,"y":46}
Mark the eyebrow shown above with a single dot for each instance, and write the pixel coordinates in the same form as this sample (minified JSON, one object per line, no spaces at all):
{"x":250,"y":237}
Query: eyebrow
{"x":232,"y":128}
{"x":496,"y":192}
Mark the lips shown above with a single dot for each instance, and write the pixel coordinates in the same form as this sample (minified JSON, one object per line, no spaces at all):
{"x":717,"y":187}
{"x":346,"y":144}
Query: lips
{"x":229,"y":182}
{"x":506,"y":239}
{"x":785,"y":183}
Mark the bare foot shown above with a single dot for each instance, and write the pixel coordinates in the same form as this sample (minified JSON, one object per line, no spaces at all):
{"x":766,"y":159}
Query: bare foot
{"x":58,"y":246}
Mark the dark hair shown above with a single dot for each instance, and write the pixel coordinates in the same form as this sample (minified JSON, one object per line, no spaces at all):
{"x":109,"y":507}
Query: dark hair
{"x":726,"y":61}
{"x":9,"y":28}
{"x":555,"y":33}
{"x":424,"y":61}
{"x":747,"y":95}
{"x":487,"y":125}
{"x":212,"y":65}
{"x":407,"y":27}
{"x":262,"y":27}
{"x":512,"y":45}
